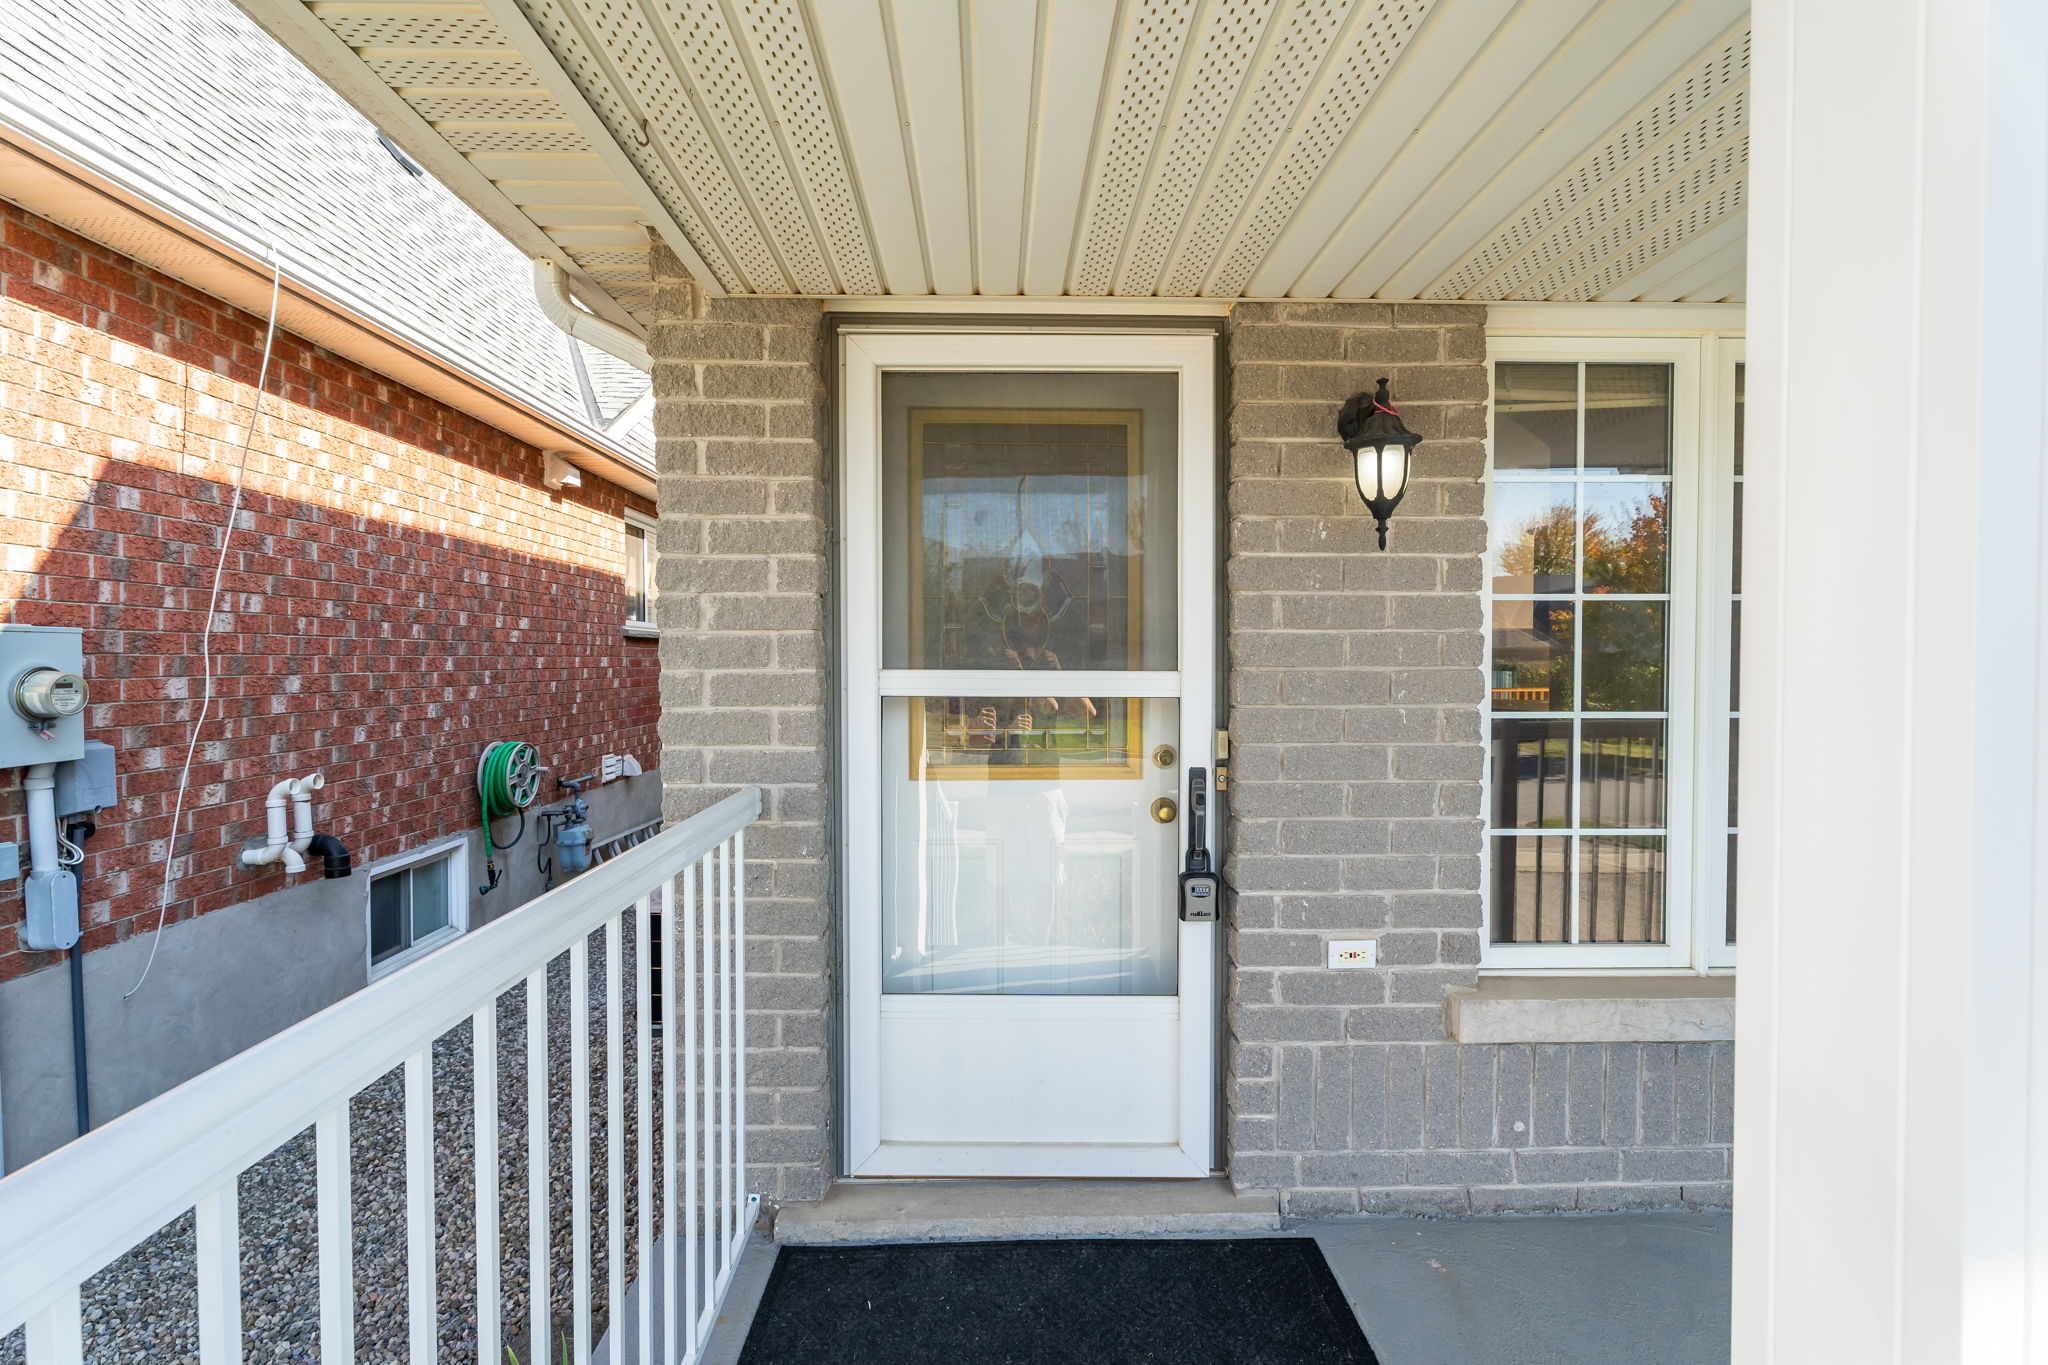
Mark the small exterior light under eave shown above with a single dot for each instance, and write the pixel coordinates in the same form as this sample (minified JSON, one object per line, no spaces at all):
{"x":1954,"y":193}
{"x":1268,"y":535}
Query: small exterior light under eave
{"x":1383,"y":448}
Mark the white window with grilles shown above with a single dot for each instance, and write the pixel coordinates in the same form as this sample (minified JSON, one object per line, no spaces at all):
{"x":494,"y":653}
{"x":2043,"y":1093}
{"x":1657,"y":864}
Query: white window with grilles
{"x":1613,"y":517}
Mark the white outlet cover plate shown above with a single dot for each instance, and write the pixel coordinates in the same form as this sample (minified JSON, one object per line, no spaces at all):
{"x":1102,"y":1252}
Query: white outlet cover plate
{"x":1354,"y":952}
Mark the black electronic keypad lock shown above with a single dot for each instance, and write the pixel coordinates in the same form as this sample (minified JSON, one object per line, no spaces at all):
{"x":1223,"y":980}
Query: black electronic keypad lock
{"x":1200,"y":887}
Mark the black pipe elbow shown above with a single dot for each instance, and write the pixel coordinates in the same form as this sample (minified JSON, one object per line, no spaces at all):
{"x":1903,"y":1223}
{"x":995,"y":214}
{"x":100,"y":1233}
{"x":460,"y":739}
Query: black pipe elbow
{"x":333,"y":855}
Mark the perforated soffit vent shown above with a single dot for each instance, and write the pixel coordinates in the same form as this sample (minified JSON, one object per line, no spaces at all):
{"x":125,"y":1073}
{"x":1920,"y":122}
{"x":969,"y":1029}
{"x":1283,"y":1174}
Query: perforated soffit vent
{"x":1163,"y":148}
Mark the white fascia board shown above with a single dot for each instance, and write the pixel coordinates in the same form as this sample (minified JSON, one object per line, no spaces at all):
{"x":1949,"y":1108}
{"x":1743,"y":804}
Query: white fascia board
{"x":1060,"y":304}
{"x":1644,"y":319}
{"x":187,"y":242}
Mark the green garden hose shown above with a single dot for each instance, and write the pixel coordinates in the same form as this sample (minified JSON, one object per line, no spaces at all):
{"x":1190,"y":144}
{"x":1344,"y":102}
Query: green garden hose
{"x":507,"y":780}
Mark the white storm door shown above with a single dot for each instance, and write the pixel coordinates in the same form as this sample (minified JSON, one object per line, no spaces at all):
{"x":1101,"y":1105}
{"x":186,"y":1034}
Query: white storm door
{"x":1029,"y":653}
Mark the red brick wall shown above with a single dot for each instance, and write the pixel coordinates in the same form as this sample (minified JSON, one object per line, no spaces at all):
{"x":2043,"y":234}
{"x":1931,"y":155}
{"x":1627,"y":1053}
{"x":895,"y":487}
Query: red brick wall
{"x":401,"y":588}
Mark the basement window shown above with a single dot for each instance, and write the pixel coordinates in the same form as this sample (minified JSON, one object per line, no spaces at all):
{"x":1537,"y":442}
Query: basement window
{"x":417,"y":902}
{"x":639,"y":574}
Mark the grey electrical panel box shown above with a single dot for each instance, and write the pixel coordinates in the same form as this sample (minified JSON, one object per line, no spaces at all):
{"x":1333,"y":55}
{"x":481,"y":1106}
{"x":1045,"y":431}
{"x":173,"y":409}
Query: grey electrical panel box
{"x":10,"y":862}
{"x":86,"y":784}
{"x":42,"y":695}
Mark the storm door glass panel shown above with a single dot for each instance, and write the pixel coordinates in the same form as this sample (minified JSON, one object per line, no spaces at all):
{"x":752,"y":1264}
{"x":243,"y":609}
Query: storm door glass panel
{"x":1579,"y":568}
{"x":1020,"y":854}
{"x":1028,"y":521}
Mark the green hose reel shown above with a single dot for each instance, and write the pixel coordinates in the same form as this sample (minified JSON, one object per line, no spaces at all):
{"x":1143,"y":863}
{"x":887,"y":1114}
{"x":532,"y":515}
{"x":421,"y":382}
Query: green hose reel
{"x":507,"y":781}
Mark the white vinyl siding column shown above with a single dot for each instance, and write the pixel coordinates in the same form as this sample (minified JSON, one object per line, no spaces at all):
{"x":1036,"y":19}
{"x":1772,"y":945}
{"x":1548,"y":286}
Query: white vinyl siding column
{"x":1892,"y":1103}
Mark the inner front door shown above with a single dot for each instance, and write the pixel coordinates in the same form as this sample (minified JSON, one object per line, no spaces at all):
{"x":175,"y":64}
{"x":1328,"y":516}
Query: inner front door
{"x":1029,"y":661}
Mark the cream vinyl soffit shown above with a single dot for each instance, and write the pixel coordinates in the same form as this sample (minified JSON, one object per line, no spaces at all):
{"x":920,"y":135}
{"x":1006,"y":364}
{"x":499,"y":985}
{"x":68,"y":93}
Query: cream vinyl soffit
{"x":1482,"y":150}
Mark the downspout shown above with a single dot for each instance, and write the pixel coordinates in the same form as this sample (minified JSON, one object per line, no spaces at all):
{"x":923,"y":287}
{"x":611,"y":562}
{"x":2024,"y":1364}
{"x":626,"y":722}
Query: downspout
{"x":551,"y":290}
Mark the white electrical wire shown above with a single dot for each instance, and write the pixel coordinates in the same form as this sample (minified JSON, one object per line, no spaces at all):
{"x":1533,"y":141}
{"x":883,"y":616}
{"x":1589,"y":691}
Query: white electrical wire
{"x":227,"y":533}
{"x":68,"y":853}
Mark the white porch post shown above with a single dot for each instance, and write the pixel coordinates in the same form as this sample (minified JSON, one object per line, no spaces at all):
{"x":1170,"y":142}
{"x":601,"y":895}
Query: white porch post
{"x":1892,"y":1084}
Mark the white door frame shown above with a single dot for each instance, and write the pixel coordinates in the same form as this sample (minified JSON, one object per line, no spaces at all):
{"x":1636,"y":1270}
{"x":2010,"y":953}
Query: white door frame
{"x":863,"y":356}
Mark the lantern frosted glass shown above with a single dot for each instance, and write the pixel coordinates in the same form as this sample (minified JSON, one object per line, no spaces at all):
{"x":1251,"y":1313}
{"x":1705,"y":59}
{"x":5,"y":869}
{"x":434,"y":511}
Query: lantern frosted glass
{"x":1382,"y":473}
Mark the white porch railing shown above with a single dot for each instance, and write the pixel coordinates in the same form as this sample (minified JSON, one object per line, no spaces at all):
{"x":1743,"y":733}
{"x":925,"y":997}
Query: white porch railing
{"x":87,"y":1205}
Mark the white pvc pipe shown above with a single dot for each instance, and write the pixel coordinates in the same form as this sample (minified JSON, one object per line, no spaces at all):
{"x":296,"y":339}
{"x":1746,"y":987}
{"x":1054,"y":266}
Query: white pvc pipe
{"x":276,"y":841}
{"x":39,"y":783}
{"x":41,"y":786}
{"x":302,"y":809}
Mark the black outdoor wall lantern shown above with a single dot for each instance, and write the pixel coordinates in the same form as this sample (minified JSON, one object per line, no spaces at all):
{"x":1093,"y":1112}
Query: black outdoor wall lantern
{"x":1372,"y":432}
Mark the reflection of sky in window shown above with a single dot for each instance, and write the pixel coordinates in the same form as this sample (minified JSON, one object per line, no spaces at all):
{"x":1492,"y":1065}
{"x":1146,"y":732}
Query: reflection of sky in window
{"x":1066,"y":515}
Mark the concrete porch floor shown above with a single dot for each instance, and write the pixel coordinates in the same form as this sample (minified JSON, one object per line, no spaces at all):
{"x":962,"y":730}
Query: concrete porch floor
{"x":1585,"y":1289}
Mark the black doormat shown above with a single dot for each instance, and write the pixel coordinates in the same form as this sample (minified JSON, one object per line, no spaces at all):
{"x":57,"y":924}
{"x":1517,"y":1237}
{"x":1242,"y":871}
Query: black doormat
{"x":1222,"y":1302}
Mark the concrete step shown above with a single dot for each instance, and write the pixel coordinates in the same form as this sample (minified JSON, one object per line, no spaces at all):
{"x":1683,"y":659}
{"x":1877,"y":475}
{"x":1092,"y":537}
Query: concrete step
{"x":970,"y":1210}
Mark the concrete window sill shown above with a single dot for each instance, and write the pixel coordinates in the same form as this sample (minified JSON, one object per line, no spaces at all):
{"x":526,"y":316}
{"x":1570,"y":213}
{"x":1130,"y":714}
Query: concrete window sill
{"x":1577,"y":1009}
{"x":642,"y":630}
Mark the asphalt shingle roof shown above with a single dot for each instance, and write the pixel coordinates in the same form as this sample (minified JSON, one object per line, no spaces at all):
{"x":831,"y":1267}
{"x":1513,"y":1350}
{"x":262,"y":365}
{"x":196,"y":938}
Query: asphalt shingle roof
{"x":221,"y":122}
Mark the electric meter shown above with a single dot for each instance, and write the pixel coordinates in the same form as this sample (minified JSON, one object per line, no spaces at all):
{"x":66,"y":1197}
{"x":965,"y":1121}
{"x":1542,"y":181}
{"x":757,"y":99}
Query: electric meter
{"x":43,"y":695}
{"x":49,"y":694}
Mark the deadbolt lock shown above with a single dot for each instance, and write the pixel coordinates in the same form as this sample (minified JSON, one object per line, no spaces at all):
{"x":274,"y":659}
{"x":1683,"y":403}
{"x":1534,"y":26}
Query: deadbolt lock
{"x":1163,"y":810}
{"x":1164,"y":755}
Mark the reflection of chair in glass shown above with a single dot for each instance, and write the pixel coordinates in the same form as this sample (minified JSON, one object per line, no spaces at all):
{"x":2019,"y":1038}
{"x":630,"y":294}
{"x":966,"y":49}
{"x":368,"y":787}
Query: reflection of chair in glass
{"x":938,"y":910}
{"x":1037,"y":831}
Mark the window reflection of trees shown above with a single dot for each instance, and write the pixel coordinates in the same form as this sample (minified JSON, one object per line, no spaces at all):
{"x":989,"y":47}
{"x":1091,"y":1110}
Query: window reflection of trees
{"x":1618,"y":550}
{"x":1620,"y":558}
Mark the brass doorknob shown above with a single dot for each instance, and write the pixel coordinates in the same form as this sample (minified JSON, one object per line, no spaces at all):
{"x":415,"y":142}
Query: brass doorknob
{"x":1163,"y":810}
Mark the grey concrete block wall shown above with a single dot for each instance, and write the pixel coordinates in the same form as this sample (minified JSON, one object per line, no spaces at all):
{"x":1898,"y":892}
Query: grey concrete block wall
{"x":1355,"y":697}
{"x":745,"y":668}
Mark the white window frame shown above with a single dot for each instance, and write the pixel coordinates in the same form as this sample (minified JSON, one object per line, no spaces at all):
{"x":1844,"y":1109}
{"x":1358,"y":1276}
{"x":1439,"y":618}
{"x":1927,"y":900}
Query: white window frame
{"x":649,"y":562}
{"x":456,"y":851}
{"x":1697,"y":664}
{"x":1711,"y":949}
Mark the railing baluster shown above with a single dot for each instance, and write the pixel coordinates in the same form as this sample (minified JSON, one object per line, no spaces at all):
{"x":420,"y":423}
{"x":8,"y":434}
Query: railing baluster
{"x":728,"y":1144}
{"x":217,"y":1239}
{"x":335,"y":1215}
{"x":672,"y":1030}
{"x":686,"y":1029}
{"x":579,"y":1145}
{"x":643,"y":1101}
{"x":420,"y":1299}
{"x":56,"y":1335}
{"x":614,"y":1144}
{"x":714,"y":1145}
{"x":484,"y":1086}
{"x":539,"y":1278}
{"x":739,"y":938}
{"x":696,"y":1157}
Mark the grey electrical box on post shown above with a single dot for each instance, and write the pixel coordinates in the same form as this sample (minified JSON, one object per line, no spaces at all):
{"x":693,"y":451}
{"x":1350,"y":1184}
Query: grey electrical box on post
{"x":50,"y":911}
{"x":42,"y":695}
{"x":86,"y":783}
